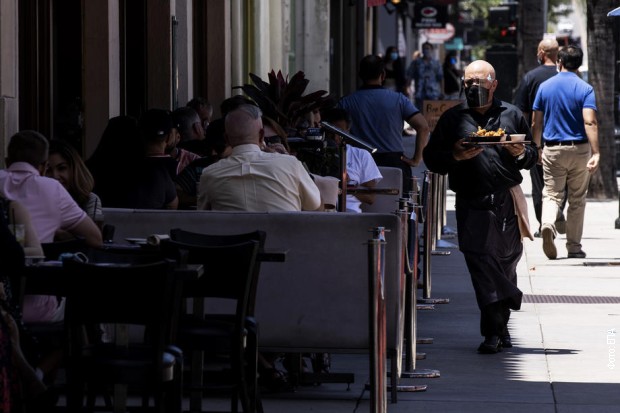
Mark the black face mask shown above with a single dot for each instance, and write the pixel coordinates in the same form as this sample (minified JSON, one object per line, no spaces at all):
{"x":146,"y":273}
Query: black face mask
{"x":476,"y":96}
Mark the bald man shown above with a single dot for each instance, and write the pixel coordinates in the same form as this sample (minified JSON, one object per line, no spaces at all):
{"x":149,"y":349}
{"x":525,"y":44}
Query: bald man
{"x":486,"y":180}
{"x":547,"y":56}
{"x":252,"y":180}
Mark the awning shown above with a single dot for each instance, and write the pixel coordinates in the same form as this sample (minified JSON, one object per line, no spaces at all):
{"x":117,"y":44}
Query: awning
{"x":614,"y":12}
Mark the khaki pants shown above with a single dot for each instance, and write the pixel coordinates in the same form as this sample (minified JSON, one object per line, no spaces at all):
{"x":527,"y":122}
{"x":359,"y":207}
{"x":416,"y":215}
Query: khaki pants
{"x":565,"y":166}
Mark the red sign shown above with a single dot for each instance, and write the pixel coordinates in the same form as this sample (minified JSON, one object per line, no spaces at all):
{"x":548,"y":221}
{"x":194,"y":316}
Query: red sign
{"x":372,"y":3}
{"x":427,"y":15}
{"x":439,"y":35}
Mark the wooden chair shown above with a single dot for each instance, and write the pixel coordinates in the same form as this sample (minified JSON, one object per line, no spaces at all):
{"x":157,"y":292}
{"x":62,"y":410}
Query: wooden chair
{"x":146,"y":295}
{"x":196,"y":238}
{"x":224,"y":345}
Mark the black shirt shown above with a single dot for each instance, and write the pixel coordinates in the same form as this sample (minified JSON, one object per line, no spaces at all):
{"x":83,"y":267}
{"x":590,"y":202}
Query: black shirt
{"x":526,"y":93}
{"x":494,"y":169}
{"x":153,"y":187}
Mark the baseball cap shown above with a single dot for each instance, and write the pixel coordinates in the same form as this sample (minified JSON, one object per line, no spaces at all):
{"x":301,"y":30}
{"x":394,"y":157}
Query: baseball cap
{"x":156,"y":123}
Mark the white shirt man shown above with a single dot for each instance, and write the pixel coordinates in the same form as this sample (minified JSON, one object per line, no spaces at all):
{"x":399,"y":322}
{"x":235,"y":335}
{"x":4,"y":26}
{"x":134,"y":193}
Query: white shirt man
{"x":253,"y":180}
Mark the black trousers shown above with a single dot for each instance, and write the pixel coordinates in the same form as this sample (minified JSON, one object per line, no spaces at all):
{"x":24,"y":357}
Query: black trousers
{"x":494,"y":319}
{"x":536,"y":173}
{"x":490,"y":241}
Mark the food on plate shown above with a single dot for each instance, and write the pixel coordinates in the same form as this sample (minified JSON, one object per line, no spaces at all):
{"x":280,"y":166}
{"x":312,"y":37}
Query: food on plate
{"x":483,"y":135}
{"x":488,"y":133}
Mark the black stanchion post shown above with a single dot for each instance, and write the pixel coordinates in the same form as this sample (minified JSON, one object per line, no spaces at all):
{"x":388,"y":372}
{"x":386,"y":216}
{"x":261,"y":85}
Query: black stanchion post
{"x":410,"y":270}
{"x":433,"y":215}
{"x":376,"y":321}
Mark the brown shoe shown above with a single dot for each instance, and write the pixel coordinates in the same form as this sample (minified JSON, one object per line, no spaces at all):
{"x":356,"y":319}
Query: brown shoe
{"x":548,"y":245}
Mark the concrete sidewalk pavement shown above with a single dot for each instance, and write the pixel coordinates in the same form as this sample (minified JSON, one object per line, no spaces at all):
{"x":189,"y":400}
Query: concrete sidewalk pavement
{"x":565,"y":337}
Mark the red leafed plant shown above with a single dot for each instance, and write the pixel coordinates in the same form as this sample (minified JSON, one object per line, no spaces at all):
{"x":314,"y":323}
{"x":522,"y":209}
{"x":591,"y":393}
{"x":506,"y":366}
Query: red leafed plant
{"x":283,"y":100}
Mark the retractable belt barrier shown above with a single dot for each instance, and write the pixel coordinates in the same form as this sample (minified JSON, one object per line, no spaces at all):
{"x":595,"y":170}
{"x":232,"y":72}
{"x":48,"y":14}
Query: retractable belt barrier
{"x":434,"y":208}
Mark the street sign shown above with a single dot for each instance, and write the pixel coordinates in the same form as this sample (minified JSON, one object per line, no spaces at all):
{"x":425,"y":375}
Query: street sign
{"x":454,"y":44}
{"x":439,"y":35}
{"x":428,"y":15}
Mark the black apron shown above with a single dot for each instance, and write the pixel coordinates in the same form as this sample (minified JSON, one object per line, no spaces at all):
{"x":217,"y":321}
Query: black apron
{"x":489,"y":238}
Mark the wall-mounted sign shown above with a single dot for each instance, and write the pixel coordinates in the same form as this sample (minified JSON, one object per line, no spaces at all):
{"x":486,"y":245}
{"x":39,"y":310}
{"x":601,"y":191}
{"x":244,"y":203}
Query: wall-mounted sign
{"x":433,"y":109}
{"x":439,"y":35}
{"x":429,"y":15}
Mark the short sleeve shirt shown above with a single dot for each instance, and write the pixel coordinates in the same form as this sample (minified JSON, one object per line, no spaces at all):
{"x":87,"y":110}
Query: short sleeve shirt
{"x":361,"y":168}
{"x":378,"y":116}
{"x":50,"y":206}
{"x":562,"y":99}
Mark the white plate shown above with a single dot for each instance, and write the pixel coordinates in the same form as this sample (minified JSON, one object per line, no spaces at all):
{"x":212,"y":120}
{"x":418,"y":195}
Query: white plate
{"x":496,"y":143}
{"x":136,"y":240}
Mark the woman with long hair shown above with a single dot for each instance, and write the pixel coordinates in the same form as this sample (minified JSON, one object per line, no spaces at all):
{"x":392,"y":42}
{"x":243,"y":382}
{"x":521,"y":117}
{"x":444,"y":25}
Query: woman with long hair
{"x":66,"y":166}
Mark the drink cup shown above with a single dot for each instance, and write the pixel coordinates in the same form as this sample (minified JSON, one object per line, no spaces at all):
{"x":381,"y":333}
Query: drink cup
{"x":19,"y":231}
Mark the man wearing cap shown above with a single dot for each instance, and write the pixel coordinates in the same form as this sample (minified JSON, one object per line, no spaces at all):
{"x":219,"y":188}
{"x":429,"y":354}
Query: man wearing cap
{"x":153,"y":187}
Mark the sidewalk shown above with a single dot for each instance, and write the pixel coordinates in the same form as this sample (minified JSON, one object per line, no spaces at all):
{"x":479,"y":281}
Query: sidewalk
{"x":563,"y":359}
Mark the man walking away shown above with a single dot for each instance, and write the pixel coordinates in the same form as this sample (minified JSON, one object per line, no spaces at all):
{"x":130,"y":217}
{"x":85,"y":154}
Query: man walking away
{"x":565,"y":119}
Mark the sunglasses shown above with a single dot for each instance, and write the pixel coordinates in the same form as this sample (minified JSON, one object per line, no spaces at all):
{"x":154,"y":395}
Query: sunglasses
{"x":485,"y":82}
{"x":272,"y":139}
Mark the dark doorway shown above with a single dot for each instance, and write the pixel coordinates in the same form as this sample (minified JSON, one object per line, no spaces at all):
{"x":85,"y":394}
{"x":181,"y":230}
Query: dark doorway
{"x":133,"y":57}
{"x":67,"y":72}
{"x":50,"y":64}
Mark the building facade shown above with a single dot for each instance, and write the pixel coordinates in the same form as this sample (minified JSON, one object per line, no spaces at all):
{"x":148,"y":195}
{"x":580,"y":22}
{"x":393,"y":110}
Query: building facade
{"x":67,"y":66}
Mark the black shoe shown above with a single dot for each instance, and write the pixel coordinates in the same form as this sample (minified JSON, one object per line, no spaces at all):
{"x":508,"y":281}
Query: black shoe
{"x":578,"y":254}
{"x":506,"y":341}
{"x":537,"y":234}
{"x":490,"y":345}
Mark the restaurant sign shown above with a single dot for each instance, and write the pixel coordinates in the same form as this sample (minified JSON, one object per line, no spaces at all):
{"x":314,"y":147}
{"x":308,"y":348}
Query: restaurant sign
{"x":433,"y":109}
{"x":429,"y":15}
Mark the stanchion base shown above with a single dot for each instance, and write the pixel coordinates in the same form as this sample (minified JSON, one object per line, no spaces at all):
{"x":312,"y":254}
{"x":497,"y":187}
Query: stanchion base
{"x":425,"y":307}
{"x":447,"y":230}
{"x":433,"y":301}
{"x":424,"y":340}
{"x":403,"y":388}
{"x":421,"y":374}
{"x":445,"y":244}
{"x":408,"y":388}
{"x":437,"y":252}
{"x":420,"y":356}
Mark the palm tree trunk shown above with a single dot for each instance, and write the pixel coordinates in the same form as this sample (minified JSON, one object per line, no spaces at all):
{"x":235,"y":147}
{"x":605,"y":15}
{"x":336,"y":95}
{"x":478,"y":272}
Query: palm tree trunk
{"x":601,"y":68}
